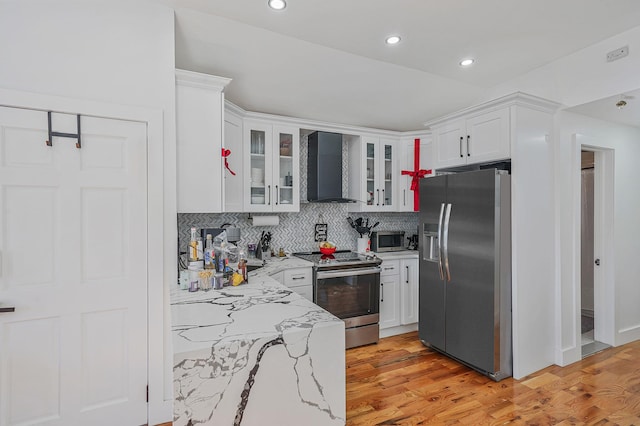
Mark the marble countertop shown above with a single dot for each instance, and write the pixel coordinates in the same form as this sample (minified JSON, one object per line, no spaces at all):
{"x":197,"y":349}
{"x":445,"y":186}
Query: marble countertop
{"x":258,"y":353}
{"x":278,"y":264}
{"x":251,"y":310}
{"x":401,"y":254}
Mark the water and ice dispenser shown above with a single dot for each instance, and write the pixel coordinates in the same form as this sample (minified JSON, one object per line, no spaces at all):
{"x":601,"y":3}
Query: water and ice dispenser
{"x":431,"y":251}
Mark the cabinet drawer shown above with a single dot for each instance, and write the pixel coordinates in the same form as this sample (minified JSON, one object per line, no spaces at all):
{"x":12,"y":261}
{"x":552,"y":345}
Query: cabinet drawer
{"x":298,"y":277}
{"x":389,"y":267}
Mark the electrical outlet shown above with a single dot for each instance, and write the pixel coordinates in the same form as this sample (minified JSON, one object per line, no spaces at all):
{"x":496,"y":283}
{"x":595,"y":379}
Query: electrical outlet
{"x":617,"y":54}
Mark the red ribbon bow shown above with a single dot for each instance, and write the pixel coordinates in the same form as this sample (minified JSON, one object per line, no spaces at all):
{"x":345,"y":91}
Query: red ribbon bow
{"x":226,"y":153}
{"x":417,"y":175}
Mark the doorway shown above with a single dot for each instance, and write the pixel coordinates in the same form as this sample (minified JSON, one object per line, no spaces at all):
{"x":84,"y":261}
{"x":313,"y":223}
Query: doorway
{"x":591,"y":285}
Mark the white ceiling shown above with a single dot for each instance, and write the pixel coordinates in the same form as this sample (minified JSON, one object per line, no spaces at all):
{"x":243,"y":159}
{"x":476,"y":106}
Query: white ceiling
{"x":327,"y":60}
{"x":606,"y":109}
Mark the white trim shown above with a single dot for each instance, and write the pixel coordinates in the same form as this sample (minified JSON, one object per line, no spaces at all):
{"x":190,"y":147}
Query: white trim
{"x":158,"y":407}
{"x":314,"y":125}
{"x":201,"y":81}
{"x":517,"y":98}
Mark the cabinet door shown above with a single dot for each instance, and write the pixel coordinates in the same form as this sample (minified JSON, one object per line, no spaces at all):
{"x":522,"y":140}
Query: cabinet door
{"x":233,"y":184}
{"x":488,"y":137}
{"x":199,"y":131}
{"x":372,"y":164}
{"x":286,"y":182}
{"x":405,"y":194}
{"x":450,"y":144}
{"x":389,"y":301}
{"x":386,"y":176}
{"x":259,"y":191}
{"x":409,"y":291}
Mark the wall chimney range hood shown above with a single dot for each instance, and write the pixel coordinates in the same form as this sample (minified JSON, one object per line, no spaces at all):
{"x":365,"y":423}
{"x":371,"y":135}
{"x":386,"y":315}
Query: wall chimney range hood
{"x":324,"y":168}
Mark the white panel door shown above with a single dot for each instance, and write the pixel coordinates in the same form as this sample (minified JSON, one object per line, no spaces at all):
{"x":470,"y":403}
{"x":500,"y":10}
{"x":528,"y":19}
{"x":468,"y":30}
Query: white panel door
{"x":73,"y":263}
{"x":409,"y":291}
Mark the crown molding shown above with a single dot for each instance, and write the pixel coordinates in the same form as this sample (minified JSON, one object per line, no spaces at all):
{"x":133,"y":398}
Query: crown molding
{"x":201,"y":81}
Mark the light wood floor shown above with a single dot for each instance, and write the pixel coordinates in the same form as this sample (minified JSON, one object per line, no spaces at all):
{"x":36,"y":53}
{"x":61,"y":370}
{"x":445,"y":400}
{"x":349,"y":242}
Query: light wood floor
{"x":401,"y":382}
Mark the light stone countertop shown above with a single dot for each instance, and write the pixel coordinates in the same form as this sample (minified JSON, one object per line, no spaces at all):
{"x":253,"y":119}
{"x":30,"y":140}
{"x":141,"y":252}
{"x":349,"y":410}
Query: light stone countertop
{"x":258,"y":353}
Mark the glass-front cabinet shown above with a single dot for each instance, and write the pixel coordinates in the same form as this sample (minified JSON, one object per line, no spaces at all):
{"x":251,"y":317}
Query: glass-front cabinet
{"x":373,"y":166}
{"x":272,"y":181}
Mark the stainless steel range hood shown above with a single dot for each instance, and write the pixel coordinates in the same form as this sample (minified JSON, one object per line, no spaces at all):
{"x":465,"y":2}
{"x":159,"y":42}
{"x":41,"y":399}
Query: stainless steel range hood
{"x":324,"y":168}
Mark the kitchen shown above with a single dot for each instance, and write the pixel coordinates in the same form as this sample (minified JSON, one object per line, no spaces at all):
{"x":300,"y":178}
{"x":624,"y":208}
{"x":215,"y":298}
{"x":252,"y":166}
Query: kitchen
{"x":150,"y":84}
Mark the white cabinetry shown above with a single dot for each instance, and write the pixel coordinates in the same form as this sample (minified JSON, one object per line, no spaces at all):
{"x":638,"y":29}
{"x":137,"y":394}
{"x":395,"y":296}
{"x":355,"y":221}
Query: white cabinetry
{"x":233,"y":184}
{"x":405,"y":194}
{"x":476,"y":138}
{"x":373,"y":172}
{"x":389,"y":294}
{"x":199,"y":135}
{"x":271,"y":181}
{"x":398,"y":293}
{"x":299,"y":280}
{"x":408,"y":291}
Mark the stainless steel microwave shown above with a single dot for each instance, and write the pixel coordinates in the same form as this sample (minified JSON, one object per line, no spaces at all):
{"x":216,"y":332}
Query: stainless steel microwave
{"x":387,"y":241}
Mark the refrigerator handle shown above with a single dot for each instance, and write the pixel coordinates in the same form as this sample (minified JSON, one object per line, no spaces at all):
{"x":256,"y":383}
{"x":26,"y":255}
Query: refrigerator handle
{"x":440,"y":241}
{"x":445,"y":241}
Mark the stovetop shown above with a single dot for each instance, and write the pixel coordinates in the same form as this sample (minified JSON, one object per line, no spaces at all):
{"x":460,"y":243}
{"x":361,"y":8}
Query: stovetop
{"x":339,"y":259}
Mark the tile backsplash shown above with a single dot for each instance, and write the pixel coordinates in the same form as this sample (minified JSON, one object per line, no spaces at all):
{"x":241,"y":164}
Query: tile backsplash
{"x":296,"y":230}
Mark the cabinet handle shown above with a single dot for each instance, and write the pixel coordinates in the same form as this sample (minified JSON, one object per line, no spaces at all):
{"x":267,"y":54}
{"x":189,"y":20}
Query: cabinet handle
{"x":297,"y":278}
{"x":390,"y":268}
{"x":269,"y":203}
{"x":277,"y":195}
{"x":404,"y":197}
{"x":407,"y":274}
{"x":383,"y":201}
{"x":8,"y":309}
{"x":378,"y":197}
{"x":381,"y":292}
{"x":468,"y":152}
{"x":461,"y":146}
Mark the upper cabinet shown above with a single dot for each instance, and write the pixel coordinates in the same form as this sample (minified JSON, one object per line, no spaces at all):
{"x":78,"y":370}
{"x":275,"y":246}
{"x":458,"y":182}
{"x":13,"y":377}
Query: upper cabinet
{"x":477,"y":138}
{"x":272,"y":158}
{"x":407,"y":162}
{"x":199,"y":136}
{"x":373,"y":173}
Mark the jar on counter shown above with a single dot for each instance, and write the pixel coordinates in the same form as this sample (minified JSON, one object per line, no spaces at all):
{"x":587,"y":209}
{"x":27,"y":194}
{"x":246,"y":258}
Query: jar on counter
{"x":194,"y":277}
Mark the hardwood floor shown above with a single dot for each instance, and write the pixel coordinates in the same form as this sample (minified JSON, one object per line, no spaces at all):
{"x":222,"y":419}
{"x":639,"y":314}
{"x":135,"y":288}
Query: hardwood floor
{"x":401,"y":382}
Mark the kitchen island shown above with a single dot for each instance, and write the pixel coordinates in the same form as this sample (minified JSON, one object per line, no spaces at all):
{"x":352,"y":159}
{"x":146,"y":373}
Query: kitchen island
{"x":256,"y":354}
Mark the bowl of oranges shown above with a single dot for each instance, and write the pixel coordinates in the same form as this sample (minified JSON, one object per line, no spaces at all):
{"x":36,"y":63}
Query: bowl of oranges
{"x":327,"y":247}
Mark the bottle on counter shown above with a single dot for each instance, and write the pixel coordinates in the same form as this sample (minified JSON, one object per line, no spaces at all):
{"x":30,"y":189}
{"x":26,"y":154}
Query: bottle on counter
{"x":242,"y":265}
{"x":209,"y":254}
{"x":193,"y":246}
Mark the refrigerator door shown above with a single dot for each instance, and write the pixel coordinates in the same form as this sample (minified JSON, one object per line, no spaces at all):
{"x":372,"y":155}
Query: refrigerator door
{"x":472,"y":294}
{"x":431,"y":325}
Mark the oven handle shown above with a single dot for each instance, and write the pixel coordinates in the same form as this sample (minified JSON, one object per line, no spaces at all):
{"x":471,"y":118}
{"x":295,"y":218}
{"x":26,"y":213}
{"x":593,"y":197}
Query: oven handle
{"x":347,"y":273}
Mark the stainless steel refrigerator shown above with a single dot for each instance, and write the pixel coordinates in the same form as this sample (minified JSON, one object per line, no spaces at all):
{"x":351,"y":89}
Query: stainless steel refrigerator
{"x":465,"y":268}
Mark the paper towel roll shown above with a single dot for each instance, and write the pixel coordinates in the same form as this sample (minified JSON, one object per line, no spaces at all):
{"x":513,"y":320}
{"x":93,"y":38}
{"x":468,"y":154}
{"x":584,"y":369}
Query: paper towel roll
{"x":266,"y":220}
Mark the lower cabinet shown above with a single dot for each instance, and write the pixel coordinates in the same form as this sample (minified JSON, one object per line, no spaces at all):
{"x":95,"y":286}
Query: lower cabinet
{"x":299,"y":280}
{"x":389,"y":294}
{"x":398,"y":295}
{"x":408,"y":291}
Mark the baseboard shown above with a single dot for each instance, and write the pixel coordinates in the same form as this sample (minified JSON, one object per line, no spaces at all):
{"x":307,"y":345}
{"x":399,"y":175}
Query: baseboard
{"x":628,"y":335}
{"x":401,"y":329}
{"x":587,"y":312}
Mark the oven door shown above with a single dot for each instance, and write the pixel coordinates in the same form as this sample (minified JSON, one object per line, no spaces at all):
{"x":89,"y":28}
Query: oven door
{"x":350,"y":294}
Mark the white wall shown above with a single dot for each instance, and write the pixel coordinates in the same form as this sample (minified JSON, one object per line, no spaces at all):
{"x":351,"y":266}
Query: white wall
{"x":119,"y":53}
{"x":583,"y":76}
{"x":624,"y":141}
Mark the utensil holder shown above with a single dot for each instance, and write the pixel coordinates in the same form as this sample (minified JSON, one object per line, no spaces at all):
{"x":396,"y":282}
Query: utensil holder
{"x":363,"y":245}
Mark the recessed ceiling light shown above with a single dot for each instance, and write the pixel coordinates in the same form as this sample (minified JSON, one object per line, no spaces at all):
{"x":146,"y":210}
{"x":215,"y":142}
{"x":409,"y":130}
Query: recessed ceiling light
{"x":393,"y":40}
{"x":277,"y":4}
{"x":466,"y":62}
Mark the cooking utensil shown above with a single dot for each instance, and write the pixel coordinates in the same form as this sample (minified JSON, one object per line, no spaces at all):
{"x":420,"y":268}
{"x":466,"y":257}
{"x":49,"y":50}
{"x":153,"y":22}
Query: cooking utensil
{"x":351,"y":222}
